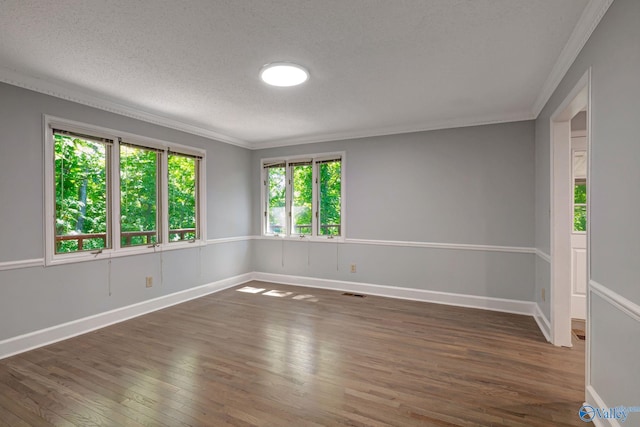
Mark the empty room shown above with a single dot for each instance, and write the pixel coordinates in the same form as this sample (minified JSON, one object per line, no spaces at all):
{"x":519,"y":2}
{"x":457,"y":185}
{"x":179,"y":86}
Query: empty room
{"x":318,"y":213}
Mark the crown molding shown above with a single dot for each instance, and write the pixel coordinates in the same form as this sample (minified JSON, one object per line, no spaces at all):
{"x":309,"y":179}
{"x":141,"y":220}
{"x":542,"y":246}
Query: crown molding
{"x":591,"y":16}
{"x":76,"y":95}
{"x":589,"y":20}
{"x":79,"y":96}
{"x":395,"y":130}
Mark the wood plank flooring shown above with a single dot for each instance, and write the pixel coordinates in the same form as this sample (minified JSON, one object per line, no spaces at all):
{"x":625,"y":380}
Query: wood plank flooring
{"x":309,"y":357}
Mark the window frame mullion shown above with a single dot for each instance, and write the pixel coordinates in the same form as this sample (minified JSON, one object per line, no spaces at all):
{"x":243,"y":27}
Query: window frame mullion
{"x":265,"y":200}
{"x":164,"y":197}
{"x":315,"y":200}
{"x":288,"y":199}
{"x":113,"y":191}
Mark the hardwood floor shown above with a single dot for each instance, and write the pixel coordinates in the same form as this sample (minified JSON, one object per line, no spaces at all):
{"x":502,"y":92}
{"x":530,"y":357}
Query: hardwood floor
{"x":578,"y":329}
{"x":249,"y":359}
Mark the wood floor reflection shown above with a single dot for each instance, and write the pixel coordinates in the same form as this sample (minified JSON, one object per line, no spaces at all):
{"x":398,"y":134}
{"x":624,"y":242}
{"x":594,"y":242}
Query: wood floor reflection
{"x":299,"y":357}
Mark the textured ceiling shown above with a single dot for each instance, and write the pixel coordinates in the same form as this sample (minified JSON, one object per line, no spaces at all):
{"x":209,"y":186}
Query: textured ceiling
{"x":377,"y":66}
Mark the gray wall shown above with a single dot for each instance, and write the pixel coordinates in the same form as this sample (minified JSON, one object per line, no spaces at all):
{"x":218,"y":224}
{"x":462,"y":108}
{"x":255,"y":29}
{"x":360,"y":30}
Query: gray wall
{"x":614,"y":57}
{"x":579,"y":121}
{"x":470,"y":185}
{"x":38,"y":297}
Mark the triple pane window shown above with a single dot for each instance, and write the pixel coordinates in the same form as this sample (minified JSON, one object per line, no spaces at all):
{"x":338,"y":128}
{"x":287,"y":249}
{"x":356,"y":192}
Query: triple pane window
{"x":303,"y":197}
{"x":148,"y":195}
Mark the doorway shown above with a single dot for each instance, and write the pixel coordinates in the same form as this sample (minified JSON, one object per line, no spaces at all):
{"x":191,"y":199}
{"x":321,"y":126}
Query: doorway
{"x":579,"y":161}
{"x":569,"y":212}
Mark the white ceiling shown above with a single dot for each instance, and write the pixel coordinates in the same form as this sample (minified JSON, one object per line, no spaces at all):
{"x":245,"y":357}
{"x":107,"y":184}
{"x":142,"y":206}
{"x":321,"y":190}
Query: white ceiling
{"x":377,"y":66}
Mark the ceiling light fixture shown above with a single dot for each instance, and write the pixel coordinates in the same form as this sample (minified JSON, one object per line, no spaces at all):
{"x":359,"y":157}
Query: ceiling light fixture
{"x":283,"y":74}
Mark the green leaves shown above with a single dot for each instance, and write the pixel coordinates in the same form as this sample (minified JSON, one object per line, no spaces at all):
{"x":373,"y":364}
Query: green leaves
{"x":330,"y":198}
{"x":302,"y":198}
{"x":81,"y":190}
{"x":182,"y":195}
{"x":276,"y":202}
{"x":138,"y":193}
{"x":580,"y":207}
{"x":82,"y":194}
{"x":302,"y":207}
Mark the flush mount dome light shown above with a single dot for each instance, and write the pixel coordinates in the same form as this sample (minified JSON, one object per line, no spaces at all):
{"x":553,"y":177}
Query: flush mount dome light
{"x":283,"y":74}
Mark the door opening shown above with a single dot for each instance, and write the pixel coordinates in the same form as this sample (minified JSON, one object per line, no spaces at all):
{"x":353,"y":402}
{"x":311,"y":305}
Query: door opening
{"x":569,"y":212}
{"x":579,"y":201}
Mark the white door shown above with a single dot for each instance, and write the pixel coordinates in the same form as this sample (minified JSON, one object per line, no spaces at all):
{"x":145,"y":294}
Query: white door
{"x":579,"y":233}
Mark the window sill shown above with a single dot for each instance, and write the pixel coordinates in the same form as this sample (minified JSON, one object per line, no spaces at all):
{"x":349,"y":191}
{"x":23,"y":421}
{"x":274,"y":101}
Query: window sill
{"x":123,"y":252}
{"x":315,"y":239}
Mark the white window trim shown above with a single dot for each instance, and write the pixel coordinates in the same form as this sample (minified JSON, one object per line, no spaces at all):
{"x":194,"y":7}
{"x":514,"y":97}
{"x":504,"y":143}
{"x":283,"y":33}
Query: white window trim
{"x":116,"y":251}
{"x":343,"y":201}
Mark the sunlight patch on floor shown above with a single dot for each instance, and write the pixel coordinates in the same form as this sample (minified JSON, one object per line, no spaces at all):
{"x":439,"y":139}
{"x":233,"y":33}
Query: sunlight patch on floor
{"x":279,"y":294}
{"x":276,"y":293}
{"x":251,"y":290}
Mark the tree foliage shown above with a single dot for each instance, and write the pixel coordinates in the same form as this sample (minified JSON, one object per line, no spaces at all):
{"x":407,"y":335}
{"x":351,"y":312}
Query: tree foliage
{"x":82,"y":196}
{"x":138,"y":193}
{"x":276,"y":178}
{"x":302,"y":198}
{"x":330,"y":188}
{"x":81,"y":191}
{"x":182,"y":195}
{"x":330,"y":200}
{"x":580,"y":207}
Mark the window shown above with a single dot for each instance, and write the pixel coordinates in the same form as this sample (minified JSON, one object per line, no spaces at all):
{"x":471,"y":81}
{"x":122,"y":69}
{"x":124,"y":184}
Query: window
{"x":303,"y":196}
{"x":579,"y":190}
{"x":139,"y":214}
{"x":111,"y":193}
{"x":329,"y":198}
{"x":183,"y":196}
{"x":81,"y":192}
{"x":275,"y":209}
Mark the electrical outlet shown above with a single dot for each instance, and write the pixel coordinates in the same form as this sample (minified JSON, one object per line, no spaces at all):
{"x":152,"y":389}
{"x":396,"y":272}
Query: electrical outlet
{"x":353,"y":268}
{"x":543,"y":294}
{"x":149,"y":281}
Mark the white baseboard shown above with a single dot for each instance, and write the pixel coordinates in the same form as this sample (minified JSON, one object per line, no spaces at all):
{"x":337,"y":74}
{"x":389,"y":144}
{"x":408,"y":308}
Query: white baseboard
{"x":67,"y":330}
{"x":32,"y":340}
{"x":460,"y":300}
{"x":543,"y":323}
{"x":594,"y":399}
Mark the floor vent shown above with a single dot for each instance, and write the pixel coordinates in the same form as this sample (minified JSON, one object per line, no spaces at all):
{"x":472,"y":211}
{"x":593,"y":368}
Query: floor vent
{"x":350,"y":294}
